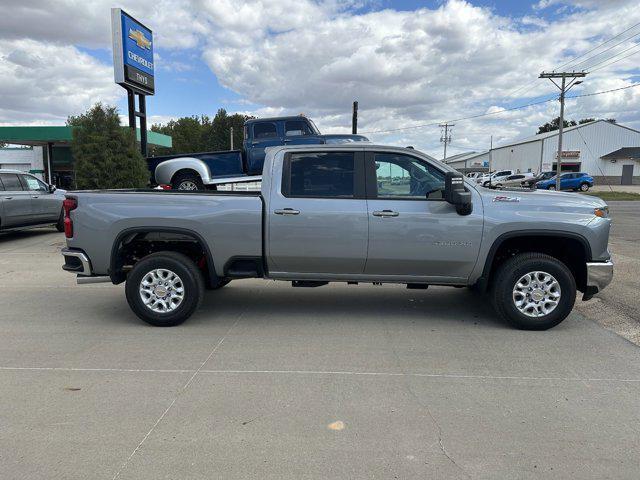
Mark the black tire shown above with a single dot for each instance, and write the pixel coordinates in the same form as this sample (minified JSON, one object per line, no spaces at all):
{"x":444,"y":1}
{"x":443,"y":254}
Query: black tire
{"x":191,"y":280}
{"x":584,"y":187}
{"x":187,"y":181}
{"x":551,"y":187}
{"x":512,"y":270}
{"x":60,"y":222}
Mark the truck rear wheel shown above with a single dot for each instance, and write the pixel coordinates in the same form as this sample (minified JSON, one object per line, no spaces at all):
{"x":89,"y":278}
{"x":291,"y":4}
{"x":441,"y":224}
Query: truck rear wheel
{"x":533,"y":291}
{"x":164,"y":288}
{"x":187,"y":180}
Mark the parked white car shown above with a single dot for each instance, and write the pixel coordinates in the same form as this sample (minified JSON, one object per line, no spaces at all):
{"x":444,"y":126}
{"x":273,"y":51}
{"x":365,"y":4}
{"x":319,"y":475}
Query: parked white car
{"x":514,"y":180}
{"x":494,"y":177}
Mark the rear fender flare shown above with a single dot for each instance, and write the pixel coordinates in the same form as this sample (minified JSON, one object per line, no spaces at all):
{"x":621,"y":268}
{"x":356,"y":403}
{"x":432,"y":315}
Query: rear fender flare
{"x":116,"y":278}
{"x":166,"y":170}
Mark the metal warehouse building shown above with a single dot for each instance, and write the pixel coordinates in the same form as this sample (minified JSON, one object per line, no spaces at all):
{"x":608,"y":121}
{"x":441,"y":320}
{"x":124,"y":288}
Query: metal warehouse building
{"x":603,"y":149}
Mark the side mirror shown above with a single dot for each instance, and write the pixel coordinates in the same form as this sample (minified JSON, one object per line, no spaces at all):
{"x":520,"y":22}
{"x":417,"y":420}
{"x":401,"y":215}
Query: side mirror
{"x":456,"y":194}
{"x":52,"y":188}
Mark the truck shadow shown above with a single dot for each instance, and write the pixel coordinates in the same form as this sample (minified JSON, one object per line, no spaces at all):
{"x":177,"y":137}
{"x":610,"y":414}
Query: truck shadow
{"x":340,"y":303}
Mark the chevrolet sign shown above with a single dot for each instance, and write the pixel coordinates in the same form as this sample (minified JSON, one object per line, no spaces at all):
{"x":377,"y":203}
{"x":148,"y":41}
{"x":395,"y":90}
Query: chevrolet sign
{"x":132,"y":53}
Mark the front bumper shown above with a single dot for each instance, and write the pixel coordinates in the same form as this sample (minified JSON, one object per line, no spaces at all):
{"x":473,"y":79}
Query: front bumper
{"x":76,"y":261}
{"x":599,"y":275}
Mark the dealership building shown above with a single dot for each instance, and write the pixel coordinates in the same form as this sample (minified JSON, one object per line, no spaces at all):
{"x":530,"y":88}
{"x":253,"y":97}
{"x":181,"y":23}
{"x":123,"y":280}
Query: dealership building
{"x":609,"y":152}
{"x":46,"y":151}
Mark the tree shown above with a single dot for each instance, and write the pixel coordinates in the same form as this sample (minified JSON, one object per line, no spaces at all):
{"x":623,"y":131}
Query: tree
{"x":200,"y":134}
{"x":106,"y":155}
{"x":554,"y":125}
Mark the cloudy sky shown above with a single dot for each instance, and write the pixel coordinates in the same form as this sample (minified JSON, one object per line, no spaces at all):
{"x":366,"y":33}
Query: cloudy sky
{"x":407,"y":62}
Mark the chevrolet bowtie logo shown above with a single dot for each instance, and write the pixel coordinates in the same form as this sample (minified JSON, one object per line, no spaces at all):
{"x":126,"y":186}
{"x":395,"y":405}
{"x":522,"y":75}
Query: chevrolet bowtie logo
{"x":140,"y":38}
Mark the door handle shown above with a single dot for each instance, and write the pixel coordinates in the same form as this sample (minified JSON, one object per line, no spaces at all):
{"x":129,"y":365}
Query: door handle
{"x":385,"y":213}
{"x":8,"y":198}
{"x":35,"y":196}
{"x":287,"y":211}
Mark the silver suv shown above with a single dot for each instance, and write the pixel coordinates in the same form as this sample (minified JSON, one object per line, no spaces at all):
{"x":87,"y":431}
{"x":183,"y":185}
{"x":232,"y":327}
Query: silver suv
{"x":26,"y":201}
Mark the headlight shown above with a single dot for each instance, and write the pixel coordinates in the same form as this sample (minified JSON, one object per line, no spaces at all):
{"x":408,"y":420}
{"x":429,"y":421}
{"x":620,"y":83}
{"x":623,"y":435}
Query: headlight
{"x":602,"y":212}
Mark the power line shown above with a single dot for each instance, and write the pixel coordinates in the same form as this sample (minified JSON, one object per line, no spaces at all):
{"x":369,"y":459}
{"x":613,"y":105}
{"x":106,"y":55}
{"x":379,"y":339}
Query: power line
{"x":502,"y":111}
{"x":597,"y":46}
{"x":605,"y":50}
{"x":534,"y":83}
{"x":617,"y":60}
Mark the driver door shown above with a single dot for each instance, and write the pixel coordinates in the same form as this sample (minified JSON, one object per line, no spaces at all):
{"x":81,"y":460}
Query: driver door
{"x":413,"y":231}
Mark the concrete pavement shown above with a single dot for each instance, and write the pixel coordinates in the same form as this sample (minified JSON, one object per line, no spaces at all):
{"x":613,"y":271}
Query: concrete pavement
{"x":270,"y":382}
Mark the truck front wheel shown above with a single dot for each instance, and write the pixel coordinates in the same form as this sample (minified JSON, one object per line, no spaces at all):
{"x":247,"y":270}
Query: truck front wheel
{"x":164,"y":288}
{"x":533,"y":291}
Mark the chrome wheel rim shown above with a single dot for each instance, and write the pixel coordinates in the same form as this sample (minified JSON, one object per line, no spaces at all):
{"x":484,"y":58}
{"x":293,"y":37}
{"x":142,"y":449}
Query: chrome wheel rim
{"x":536,"y":294}
{"x":187,"y":185}
{"x":161,"y":290}
{"x":584,"y":187}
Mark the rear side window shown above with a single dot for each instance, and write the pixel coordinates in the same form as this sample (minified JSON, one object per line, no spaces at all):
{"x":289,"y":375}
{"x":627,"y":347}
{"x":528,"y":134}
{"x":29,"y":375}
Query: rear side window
{"x":294,"y":128}
{"x":11,"y":182}
{"x":264,"y":130}
{"x":319,"y":175}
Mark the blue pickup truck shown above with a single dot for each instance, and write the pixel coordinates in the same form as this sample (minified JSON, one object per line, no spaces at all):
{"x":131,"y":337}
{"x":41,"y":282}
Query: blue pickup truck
{"x":202,"y":171}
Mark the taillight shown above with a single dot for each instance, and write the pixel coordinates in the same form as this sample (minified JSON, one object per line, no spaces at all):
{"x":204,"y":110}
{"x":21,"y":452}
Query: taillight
{"x":68,"y":204}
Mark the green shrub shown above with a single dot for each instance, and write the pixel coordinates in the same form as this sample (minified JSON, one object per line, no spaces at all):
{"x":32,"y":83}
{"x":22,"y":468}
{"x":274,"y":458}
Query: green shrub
{"x":106,"y":154}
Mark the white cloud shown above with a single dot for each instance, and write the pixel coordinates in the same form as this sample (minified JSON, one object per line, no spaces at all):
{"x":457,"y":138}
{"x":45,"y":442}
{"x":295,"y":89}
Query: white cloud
{"x":317,"y":56}
{"x":48,"y":82}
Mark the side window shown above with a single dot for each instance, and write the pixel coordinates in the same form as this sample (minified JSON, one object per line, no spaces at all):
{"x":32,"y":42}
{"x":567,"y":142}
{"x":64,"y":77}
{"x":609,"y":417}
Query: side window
{"x":320,"y":175}
{"x":264,"y":130}
{"x":402,"y":176}
{"x":294,"y":128}
{"x":11,"y":182}
{"x":32,"y":184}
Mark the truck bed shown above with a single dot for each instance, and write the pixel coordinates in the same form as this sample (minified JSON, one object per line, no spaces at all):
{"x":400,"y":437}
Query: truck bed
{"x":230,"y":223}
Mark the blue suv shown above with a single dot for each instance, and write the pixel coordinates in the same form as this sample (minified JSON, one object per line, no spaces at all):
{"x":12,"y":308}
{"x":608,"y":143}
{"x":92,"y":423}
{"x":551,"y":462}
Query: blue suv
{"x":569,"y":181}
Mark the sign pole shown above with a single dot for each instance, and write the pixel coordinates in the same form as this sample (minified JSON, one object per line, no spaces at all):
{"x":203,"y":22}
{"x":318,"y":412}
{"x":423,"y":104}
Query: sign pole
{"x":131,"y":101}
{"x":143,"y":123}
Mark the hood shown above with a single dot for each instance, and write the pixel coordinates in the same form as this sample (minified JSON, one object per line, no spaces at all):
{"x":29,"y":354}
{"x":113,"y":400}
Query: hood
{"x":544,"y":199}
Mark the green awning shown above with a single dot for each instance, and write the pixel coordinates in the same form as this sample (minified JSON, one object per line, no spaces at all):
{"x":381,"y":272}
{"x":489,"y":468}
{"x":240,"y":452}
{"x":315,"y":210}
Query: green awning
{"x":42,"y":135}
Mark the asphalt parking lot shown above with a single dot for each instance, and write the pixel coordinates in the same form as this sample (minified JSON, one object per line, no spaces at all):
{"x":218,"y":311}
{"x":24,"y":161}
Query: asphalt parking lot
{"x":270,"y":382}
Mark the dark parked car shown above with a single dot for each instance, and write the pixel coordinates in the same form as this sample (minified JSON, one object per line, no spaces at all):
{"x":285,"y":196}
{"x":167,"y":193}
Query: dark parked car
{"x":531,"y":182}
{"x":26,"y":201}
{"x":569,"y":181}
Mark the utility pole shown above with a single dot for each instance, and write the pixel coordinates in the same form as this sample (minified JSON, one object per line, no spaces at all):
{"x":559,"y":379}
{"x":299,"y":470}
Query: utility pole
{"x":354,"y":118}
{"x":490,"y":155}
{"x":231,"y":135}
{"x":446,"y":138}
{"x":564,"y":88}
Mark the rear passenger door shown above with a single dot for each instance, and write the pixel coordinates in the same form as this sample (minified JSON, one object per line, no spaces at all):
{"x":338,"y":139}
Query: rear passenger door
{"x":317,"y":217}
{"x":45,"y":205}
{"x":17,"y":211}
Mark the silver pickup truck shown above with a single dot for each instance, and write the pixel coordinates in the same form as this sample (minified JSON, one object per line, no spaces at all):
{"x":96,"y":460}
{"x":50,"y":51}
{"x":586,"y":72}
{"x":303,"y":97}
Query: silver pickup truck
{"x":344,"y":213}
